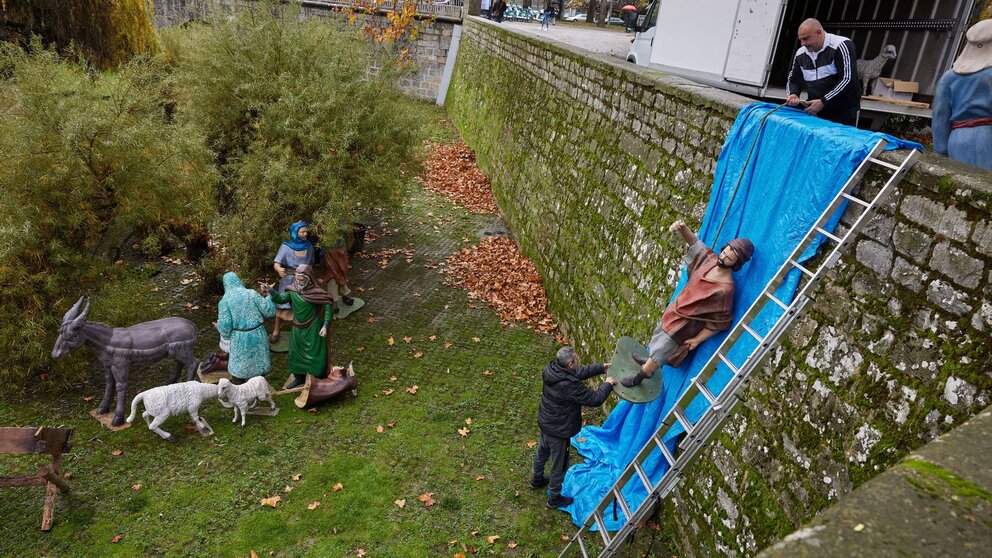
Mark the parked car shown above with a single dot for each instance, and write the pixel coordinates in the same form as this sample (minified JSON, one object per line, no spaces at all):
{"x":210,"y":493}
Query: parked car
{"x":615,"y":21}
{"x":576,"y":17}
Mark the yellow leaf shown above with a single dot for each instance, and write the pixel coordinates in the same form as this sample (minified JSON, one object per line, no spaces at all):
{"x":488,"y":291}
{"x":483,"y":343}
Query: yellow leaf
{"x":492,"y":538}
{"x":531,"y":443}
{"x":271,"y":502}
{"x":337,"y":487}
{"x":390,"y":341}
{"x":468,"y":420}
{"x":464,"y":432}
{"x":476,"y":339}
{"x":252,"y":554}
{"x":400,"y":503}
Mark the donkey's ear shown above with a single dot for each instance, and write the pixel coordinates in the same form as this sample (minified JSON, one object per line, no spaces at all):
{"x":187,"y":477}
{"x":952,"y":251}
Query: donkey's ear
{"x":74,"y":311}
{"x":86,"y":309}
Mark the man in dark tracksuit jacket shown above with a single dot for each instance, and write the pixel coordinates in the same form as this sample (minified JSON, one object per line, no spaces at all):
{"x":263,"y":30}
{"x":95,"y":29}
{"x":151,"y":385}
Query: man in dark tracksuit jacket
{"x":826,"y":68}
{"x":560,"y":417}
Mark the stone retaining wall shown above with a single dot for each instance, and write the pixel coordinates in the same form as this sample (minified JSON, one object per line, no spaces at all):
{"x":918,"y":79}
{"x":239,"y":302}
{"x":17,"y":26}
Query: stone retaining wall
{"x":429,"y":52}
{"x":591,"y":158}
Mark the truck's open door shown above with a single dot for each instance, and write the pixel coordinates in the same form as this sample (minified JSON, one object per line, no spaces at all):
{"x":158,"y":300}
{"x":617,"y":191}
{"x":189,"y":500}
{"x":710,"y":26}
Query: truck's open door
{"x":752,"y":43}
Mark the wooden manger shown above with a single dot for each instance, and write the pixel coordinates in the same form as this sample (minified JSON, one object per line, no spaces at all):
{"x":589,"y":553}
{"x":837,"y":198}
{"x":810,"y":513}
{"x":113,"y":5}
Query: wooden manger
{"x":25,"y":441}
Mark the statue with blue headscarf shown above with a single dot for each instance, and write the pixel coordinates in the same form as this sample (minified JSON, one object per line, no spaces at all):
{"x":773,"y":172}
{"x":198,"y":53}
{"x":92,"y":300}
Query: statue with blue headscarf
{"x":293,"y":253}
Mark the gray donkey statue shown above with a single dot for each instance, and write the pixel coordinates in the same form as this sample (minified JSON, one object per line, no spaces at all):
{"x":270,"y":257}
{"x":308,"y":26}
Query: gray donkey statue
{"x":117,"y":348}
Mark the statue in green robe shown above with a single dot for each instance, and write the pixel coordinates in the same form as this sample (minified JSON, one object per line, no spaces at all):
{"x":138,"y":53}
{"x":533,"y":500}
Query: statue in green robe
{"x":308,"y":353}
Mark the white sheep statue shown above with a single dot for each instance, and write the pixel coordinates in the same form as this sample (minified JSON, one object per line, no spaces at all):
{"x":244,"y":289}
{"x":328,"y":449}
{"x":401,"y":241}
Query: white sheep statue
{"x":870,"y":70}
{"x":164,"y":401}
{"x":245,"y":396}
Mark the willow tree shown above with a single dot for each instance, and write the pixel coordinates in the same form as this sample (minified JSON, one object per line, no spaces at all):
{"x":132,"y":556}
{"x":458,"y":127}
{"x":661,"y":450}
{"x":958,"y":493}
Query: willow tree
{"x":106,"y":32}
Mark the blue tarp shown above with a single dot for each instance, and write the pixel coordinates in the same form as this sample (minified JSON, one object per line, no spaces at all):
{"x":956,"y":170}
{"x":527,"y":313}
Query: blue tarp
{"x":798,"y":165}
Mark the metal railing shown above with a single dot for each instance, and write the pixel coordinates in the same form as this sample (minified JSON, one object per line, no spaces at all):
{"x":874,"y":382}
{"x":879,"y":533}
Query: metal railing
{"x":446,"y":9}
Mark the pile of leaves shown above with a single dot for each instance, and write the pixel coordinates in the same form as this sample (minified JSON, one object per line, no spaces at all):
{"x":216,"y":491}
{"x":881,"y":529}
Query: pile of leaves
{"x":496,"y":272}
{"x":452,"y":173}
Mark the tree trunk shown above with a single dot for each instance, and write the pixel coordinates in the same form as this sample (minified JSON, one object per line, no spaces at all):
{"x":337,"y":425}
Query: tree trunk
{"x":106,"y":33}
{"x":591,"y":12}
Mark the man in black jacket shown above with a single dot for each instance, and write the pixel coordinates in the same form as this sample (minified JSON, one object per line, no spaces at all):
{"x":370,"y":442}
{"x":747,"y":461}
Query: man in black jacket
{"x":826,"y":68}
{"x":560,"y":417}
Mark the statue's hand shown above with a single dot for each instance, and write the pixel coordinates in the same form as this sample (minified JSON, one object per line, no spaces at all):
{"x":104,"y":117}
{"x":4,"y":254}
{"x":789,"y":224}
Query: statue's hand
{"x":323,"y":331}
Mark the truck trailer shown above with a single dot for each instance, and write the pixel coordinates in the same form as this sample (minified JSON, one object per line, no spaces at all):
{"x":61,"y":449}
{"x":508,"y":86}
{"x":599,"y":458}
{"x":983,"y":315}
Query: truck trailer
{"x":748,"y":46}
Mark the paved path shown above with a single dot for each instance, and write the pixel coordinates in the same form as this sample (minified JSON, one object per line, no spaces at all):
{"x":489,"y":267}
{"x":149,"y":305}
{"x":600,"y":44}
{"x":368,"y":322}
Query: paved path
{"x":613,"y":42}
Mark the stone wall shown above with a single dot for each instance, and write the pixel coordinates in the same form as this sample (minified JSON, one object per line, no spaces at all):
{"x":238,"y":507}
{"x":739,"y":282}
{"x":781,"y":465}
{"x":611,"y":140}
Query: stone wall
{"x":429,"y":51}
{"x":590,"y":158}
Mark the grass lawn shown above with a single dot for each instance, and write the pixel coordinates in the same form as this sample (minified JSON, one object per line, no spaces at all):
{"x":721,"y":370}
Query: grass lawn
{"x":201,"y":496}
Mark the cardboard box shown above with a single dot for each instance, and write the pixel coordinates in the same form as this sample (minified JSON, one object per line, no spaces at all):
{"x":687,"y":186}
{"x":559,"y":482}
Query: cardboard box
{"x":895,"y":88}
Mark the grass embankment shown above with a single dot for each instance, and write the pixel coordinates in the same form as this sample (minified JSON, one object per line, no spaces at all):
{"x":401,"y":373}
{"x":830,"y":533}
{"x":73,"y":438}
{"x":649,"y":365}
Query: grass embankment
{"x":202,"y":496}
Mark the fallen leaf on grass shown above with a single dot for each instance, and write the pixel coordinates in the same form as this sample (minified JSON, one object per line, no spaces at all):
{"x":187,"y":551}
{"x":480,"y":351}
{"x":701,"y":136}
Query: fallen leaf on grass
{"x":296,"y":477}
{"x":116,"y":538}
{"x":511,"y":545}
{"x":427,"y":499}
{"x":407,"y":339}
{"x":563,"y":537}
{"x":337,"y":486}
{"x":412,"y":389}
{"x":432,"y":338}
{"x":464,"y":432}
{"x":487,"y":372}
{"x":360,"y":349}
{"x":313,"y":506}
{"x":88,"y":398}
{"x":372,"y":318}
{"x":447,"y":344}
{"x":391,"y":424}
{"x":312,"y":410}
{"x":400,"y":503}
{"x":474,"y":533}
{"x":418,"y":354}
{"x":360,"y":553}
{"x":388,"y":391}
{"x":476,"y":339}
{"x":380,"y":429}
{"x":288,"y":489}
{"x":468,"y":420}
{"x":531,"y":443}
{"x":392,"y":378}
{"x":136,"y":487}
{"x":117,"y":452}
{"x":479,"y":478}
{"x":390,"y":341}
{"x":271,"y":502}
{"x":253,"y":554}
{"x":459,"y":555}
{"x":492,"y":538}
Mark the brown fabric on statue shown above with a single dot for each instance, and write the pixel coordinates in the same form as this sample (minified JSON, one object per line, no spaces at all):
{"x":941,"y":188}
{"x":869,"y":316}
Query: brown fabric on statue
{"x":336,"y":266}
{"x":312,"y":294}
{"x":702,"y":304}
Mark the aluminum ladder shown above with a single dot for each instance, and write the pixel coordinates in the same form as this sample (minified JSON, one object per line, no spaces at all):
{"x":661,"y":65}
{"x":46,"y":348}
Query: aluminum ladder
{"x":719,"y":405}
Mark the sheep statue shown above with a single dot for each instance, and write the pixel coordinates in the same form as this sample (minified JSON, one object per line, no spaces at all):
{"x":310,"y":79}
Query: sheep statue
{"x":245,"y":397}
{"x":870,"y":70}
{"x":164,"y":401}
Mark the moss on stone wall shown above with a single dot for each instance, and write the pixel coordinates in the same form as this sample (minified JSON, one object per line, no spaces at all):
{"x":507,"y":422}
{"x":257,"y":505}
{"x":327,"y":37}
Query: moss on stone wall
{"x":107,"y":32}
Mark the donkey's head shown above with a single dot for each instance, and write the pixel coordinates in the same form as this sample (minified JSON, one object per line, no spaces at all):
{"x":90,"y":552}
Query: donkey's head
{"x":72,"y":323}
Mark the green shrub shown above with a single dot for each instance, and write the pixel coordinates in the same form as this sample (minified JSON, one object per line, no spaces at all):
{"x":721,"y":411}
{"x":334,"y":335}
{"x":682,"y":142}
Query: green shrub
{"x":89,"y":163}
{"x":300,"y":126}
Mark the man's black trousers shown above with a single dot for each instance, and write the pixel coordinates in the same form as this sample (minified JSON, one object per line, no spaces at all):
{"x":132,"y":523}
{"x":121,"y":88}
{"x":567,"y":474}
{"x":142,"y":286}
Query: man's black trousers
{"x":557,"y":450}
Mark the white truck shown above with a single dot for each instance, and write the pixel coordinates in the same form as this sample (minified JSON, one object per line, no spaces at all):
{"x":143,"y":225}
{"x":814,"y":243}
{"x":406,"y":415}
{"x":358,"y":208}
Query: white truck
{"x":748,"y":45}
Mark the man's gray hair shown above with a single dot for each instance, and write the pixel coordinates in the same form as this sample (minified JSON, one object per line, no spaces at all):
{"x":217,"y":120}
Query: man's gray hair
{"x":566,"y":355}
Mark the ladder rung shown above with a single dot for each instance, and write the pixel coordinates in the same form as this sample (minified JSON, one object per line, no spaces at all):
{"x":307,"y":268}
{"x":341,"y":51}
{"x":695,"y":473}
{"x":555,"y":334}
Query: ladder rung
{"x":623,"y":504}
{"x":882,"y":163}
{"x":645,"y":480}
{"x":800,"y":267}
{"x":683,"y":420}
{"x":753,"y":333}
{"x":597,"y":516}
{"x":728,"y":363}
{"x":824,"y":232}
{"x":708,"y":395}
{"x":776,"y":301}
{"x":664,"y":450}
{"x":856,"y":200}
{"x":582,"y":546}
